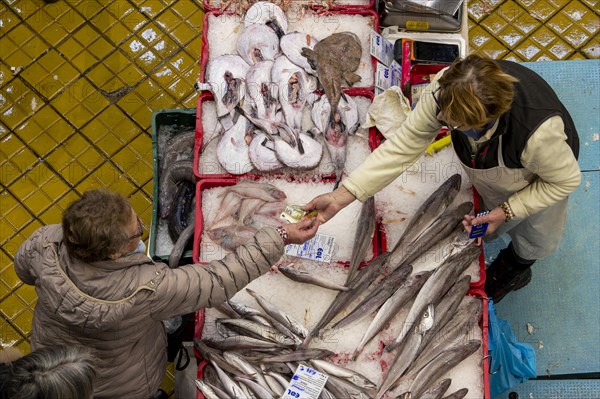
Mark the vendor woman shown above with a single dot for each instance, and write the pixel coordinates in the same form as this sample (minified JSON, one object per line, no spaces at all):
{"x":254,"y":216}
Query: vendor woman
{"x":516,"y":142}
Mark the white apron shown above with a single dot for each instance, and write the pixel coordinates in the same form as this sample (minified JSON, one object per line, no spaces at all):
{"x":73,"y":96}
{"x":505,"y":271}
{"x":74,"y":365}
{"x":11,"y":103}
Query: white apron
{"x":533,"y":237}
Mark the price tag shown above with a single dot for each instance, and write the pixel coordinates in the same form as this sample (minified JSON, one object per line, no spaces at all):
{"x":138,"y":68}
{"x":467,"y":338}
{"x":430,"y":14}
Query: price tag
{"x":319,"y":248}
{"x":306,"y":383}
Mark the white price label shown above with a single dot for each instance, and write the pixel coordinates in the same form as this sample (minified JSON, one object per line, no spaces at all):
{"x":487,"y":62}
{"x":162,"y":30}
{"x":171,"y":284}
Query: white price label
{"x":381,"y":48}
{"x":306,"y":383}
{"x":319,"y":248}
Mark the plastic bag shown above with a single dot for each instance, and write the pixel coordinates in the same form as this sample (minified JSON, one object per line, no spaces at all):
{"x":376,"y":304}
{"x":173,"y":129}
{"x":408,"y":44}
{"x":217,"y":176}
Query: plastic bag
{"x":512,"y":362}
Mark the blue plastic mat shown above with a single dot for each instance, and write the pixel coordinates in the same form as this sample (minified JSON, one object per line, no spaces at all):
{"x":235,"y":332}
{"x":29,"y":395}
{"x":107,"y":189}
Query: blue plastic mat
{"x":562,"y":303}
{"x":567,"y":389}
{"x":577,"y":84}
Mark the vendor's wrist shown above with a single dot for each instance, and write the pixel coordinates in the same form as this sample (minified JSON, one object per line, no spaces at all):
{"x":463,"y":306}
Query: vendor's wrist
{"x":508,"y":212}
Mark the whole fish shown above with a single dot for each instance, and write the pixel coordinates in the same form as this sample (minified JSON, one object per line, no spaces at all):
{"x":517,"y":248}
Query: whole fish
{"x":292,"y":44}
{"x":436,"y":286}
{"x":262,"y":153}
{"x":174,"y":173}
{"x":294,"y":87}
{"x":298,"y":356}
{"x":232,"y":149}
{"x":460,"y":394}
{"x":274,"y":385}
{"x":226,"y":75}
{"x":244,"y":367}
{"x":206,"y":390}
{"x":377,"y":297}
{"x":220,"y":393}
{"x":240,"y":342}
{"x":249,"y":189}
{"x":259,"y":390}
{"x":309,"y":278}
{"x":258,"y":43}
{"x":272,"y":310}
{"x":364,"y":279}
{"x":257,"y":330}
{"x":307,"y":154}
{"x":230,"y":203}
{"x":264,"y":12}
{"x":232,"y":389}
{"x":212,"y":354}
{"x":341,"y":388}
{"x":391,"y":307}
{"x":335,"y":59}
{"x":247,"y":208}
{"x":345,"y":373}
{"x":232,"y":236}
{"x":438,"y":390}
{"x":435,"y":205}
{"x":184,"y":238}
{"x":363,"y":236}
{"x":261,"y":90}
{"x":337,"y":129}
{"x":415,"y":385}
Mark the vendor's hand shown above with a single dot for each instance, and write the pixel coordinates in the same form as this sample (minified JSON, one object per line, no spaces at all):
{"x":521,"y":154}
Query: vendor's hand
{"x":300,"y":232}
{"x":495,"y":219}
{"x":328,"y":205}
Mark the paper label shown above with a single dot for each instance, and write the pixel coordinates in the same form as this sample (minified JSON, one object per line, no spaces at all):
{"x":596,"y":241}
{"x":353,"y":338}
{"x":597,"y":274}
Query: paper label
{"x":386,"y":77}
{"x":381,"y":48}
{"x":319,"y":248}
{"x":306,"y":383}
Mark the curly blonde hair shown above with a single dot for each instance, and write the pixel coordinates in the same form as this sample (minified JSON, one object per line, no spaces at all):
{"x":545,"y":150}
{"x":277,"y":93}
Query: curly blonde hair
{"x":94,"y":226}
{"x":475,"y":91}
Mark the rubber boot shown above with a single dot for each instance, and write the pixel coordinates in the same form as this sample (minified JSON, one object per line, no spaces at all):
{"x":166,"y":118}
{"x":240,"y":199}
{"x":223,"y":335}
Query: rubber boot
{"x":508,"y":272}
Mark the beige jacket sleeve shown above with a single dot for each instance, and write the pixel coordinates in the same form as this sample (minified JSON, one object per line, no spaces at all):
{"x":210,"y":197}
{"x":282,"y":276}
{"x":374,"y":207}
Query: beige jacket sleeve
{"x":404,"y":146}
{"x":191,"y":287}
{"x":548,"y":155}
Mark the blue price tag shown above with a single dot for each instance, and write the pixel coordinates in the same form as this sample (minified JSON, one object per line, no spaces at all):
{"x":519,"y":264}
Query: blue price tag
{"x":478,"y":230}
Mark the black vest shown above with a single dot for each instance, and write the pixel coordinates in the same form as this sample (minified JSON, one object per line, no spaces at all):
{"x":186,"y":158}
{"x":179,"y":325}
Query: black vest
{"x":534,"y":102}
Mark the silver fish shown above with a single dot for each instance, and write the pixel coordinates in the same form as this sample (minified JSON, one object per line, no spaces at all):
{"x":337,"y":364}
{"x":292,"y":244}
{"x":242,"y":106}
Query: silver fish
{"x":308,"y":278}
{"x":258,"y":43}
{"x":345,"y":373}
{"x":245,"y":367}
{"x":230,"y":386}
{"x":232,"y":149}
{"x":274,"y":385}
{"x":272,"y":310}
{"x":460,"y":394}
{"x":438,"y":390}
{"x":259,"y":390}
{"x":257,"y":330}
{"x":299,"y":355}
{"x":436,"y":286}
{"x":292,"y":44}
{"x":226,"y":75}
{"x":269,"y":14}
{"x":435,"y":205}
{"x":415,"y":385}
{"x":240,"y":342}
{"x":262,"y":153}
{"x":232,"y":236}
{"x":261,"y":90}
{"x":363,"y":236}
{"x":206,"y":390}
{"x":391,"y":307}
{"x":376,"y":297}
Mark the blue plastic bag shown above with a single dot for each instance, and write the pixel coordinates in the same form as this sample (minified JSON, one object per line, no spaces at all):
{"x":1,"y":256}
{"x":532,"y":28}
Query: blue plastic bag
{"x":512,"y":362}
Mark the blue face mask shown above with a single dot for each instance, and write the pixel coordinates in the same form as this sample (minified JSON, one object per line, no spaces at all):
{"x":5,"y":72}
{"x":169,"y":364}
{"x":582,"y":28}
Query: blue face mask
{"x":477,"y":134}
{"x":141,"y":249}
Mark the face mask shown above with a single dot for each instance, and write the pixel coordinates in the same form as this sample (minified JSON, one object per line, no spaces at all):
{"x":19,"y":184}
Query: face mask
{"x":477,"y":134}
{"x":141,"y":249}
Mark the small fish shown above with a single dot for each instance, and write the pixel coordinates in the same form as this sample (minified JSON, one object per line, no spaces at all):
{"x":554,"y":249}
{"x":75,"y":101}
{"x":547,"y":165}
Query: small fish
{"x":438,"y":390}
{"x":257,"y":330}
{"x":206,"y":390}
{"x":308,"y":278}
{"x":240,"y":342}
{"x":460,"y":394}
{"x":232,"y":236}
{"x":363,"y":236}
{"x":345,"y":373}
{"x":285,"y":319}
{"x":230,"y":386}
{"x":261,"y":391}
{"x":298,"y":356}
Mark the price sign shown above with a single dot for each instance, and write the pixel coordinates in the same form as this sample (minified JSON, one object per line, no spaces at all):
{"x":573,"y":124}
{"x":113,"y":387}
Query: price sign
{"x":306,"y":383}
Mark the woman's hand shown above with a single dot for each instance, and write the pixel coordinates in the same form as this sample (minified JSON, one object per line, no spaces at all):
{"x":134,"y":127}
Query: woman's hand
{"x":495,"y":219}
{"x":304,"y":230}
{"x":328,"y":205}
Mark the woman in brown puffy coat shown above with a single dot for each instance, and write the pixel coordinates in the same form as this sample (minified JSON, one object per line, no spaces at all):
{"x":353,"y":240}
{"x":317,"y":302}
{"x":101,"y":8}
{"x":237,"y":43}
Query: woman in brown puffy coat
{"x":95,"y":290}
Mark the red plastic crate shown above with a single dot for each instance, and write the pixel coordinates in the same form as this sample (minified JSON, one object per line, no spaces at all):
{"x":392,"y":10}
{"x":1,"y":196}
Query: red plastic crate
{"x":205,"y":184}
{"x":316,"y":6}
{"x":199,"y":141}
{"x":206,"y":45}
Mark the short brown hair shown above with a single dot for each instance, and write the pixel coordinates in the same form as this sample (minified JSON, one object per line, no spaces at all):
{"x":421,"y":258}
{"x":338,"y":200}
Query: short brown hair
{"x":475,"y":90}
{"x":94,"y":225}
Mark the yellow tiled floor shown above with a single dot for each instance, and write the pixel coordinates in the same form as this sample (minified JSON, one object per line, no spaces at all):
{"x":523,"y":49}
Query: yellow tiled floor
{"x":79,"y":80}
